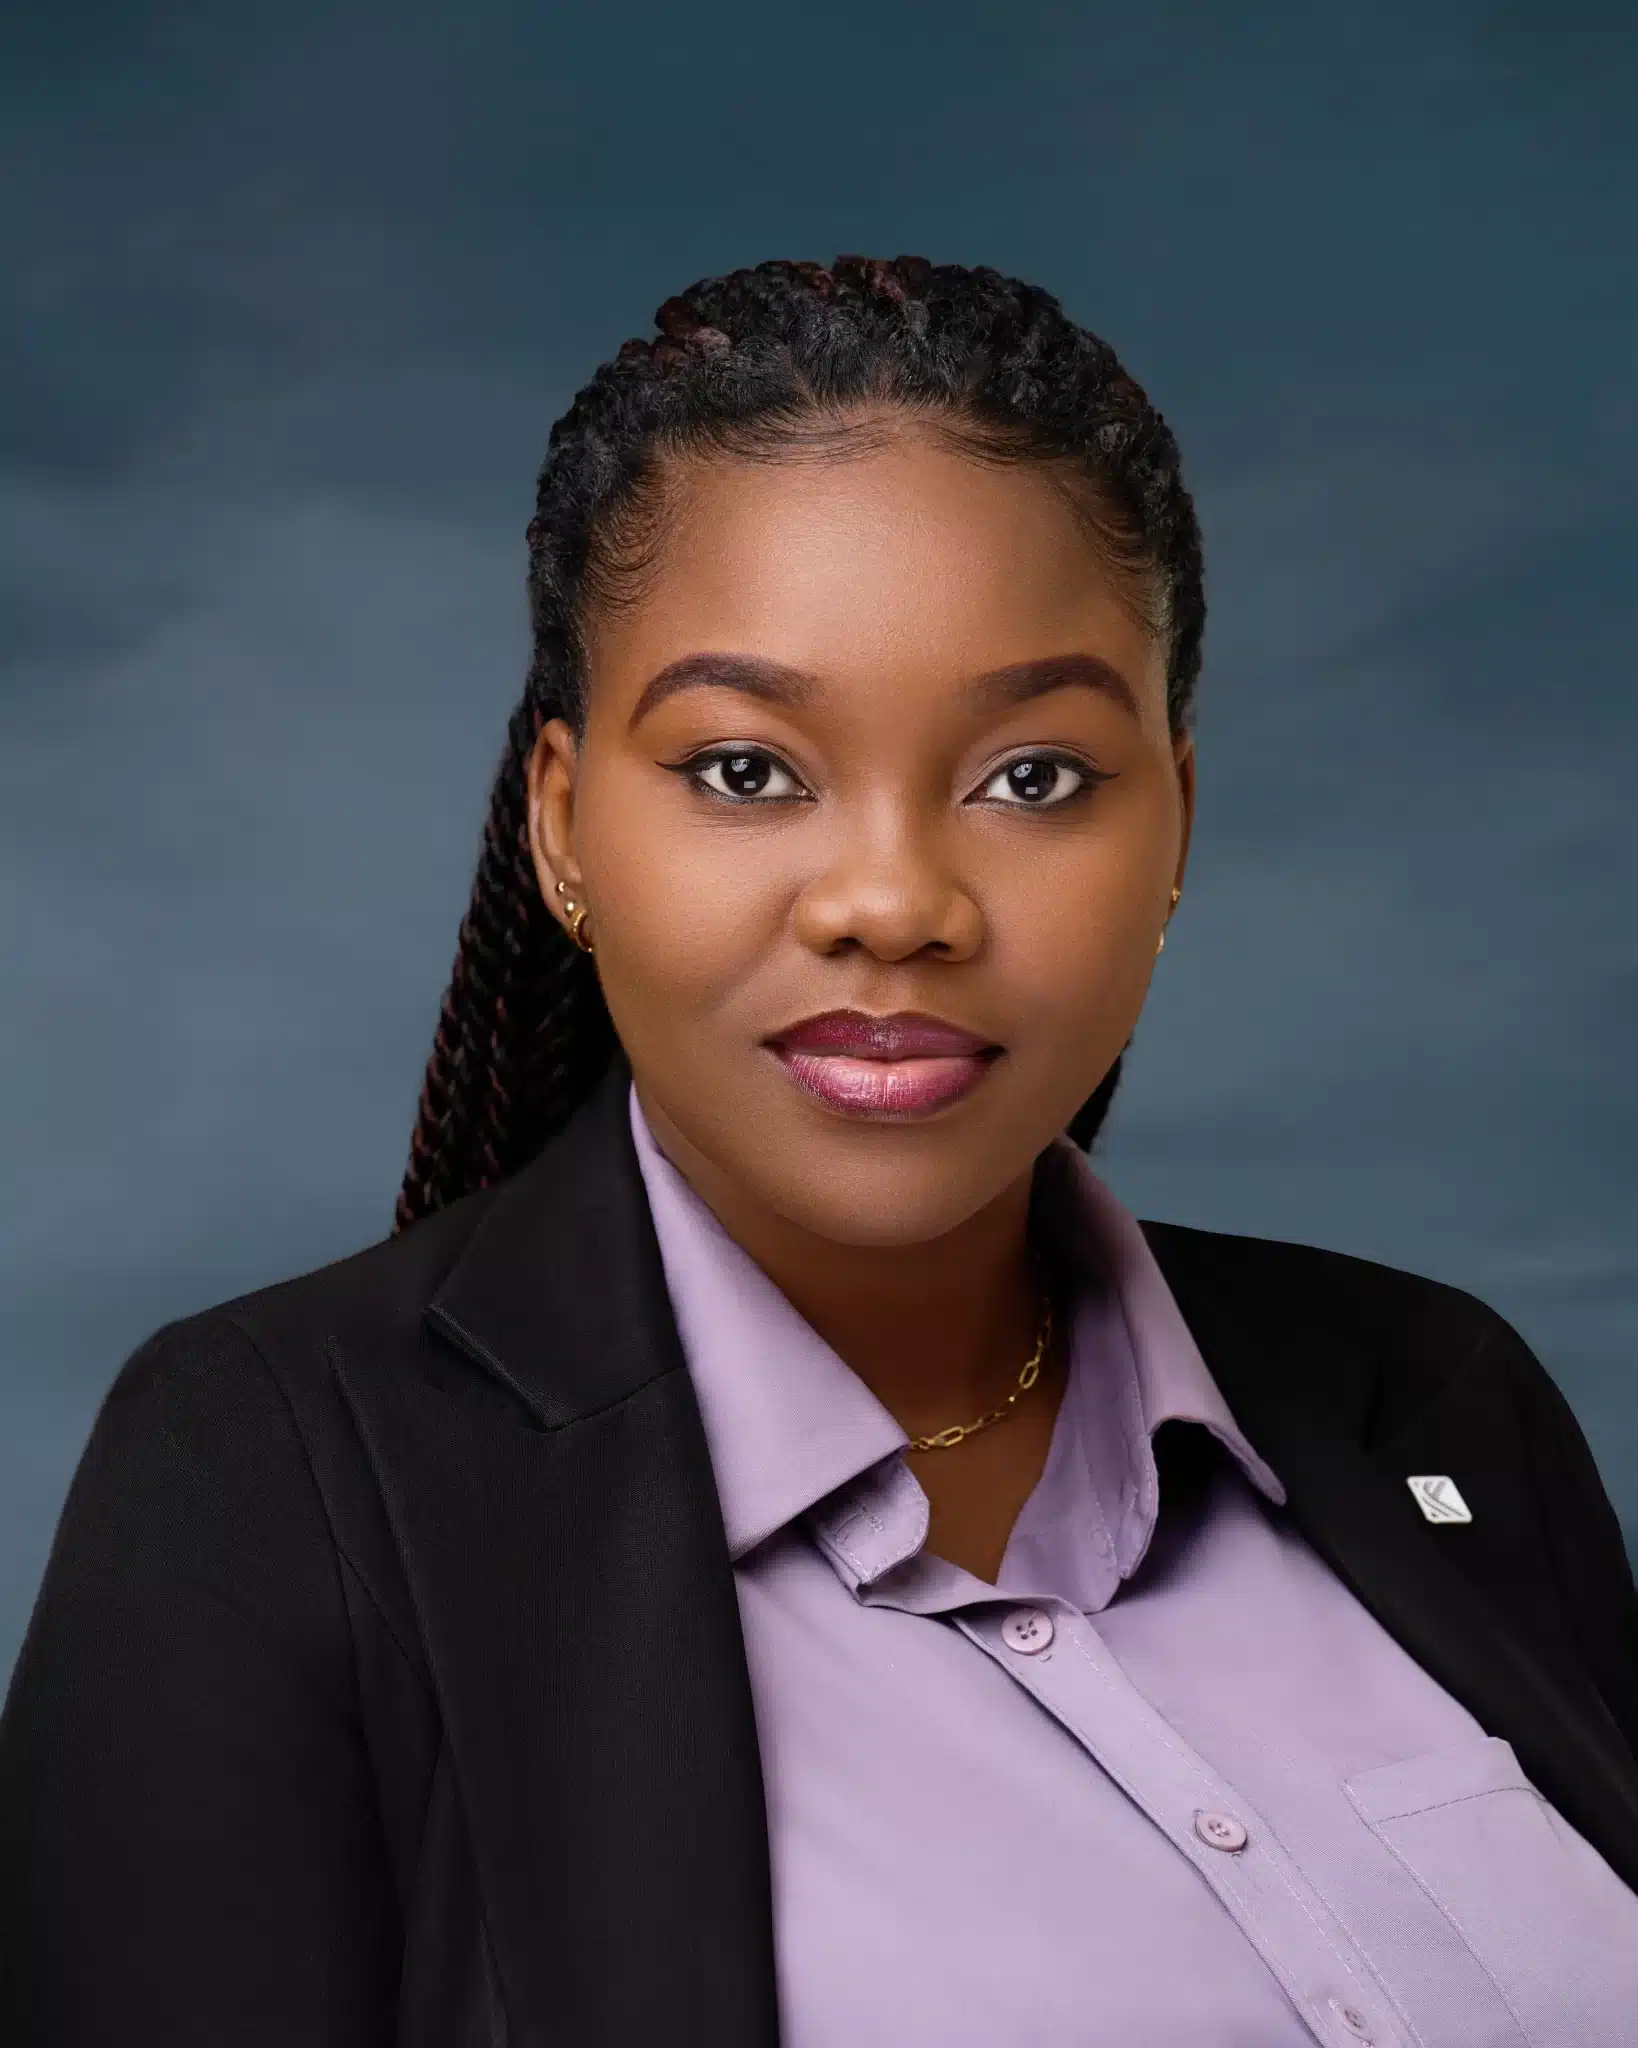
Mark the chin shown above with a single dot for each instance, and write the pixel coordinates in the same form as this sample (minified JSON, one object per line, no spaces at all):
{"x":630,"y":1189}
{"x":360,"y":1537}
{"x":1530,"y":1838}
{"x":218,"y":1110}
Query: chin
{"x":887,"y":1194}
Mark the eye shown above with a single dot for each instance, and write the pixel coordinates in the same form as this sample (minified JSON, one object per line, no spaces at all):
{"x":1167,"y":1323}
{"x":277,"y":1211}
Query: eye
{"x":743,"y":775}
{"x":1038,"y":781}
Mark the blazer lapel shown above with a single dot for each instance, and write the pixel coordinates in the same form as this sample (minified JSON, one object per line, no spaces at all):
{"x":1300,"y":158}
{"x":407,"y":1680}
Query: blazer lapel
{"x":1302,"y":1393}
{"x":562,"y":1538}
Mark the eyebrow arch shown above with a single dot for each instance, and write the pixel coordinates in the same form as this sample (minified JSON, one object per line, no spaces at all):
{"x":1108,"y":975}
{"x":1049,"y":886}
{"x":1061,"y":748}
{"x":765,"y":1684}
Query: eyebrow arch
{"x":1002,"y":688}
{"x":774,"y":682}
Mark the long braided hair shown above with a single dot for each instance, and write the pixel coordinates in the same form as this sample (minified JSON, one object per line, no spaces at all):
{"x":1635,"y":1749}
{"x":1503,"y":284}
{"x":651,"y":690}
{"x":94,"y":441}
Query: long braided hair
{"x":747,"y":364}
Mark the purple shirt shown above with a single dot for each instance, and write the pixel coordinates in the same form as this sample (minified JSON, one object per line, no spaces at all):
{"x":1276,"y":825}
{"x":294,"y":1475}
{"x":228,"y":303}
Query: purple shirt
{"x":1165,"y":1782}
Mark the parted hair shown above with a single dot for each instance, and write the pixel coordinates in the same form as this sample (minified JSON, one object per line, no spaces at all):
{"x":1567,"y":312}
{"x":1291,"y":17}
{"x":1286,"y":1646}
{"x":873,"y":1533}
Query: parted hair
{"x":752,"y":365}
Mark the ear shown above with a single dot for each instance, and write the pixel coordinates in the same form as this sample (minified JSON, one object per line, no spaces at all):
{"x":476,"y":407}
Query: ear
{"x":551,"y":775}
{"x":1183,"y":760}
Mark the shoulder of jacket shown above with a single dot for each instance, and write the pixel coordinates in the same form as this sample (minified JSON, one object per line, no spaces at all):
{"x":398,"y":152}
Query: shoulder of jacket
{"x":1315,"y":1272}
{"x":377,"y":1292}
{"x":1422,"y":1330}
{"x":259,"y":1369}
{"x":371,"y":1302}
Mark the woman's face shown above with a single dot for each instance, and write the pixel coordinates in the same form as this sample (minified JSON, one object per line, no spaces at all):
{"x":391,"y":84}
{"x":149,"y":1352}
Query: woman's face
{"x":880,"y":738}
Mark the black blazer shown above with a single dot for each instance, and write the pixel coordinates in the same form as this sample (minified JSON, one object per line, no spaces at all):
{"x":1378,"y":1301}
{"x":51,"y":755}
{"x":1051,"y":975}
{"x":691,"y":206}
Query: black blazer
{"x":387,"y":1683}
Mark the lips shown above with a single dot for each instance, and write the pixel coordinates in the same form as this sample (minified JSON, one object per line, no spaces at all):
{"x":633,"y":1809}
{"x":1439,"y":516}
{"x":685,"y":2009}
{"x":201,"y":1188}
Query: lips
{"x":890,"y":1068}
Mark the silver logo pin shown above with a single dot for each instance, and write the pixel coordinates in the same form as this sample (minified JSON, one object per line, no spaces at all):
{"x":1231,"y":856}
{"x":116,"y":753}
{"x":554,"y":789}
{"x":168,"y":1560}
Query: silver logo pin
{"x":1439,"y":1499}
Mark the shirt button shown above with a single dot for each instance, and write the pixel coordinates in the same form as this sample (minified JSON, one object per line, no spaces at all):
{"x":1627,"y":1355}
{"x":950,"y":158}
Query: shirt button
{"x":1027,"y":1629}
{"x":1219,"y":1831}
{"x":1353,"y":2019}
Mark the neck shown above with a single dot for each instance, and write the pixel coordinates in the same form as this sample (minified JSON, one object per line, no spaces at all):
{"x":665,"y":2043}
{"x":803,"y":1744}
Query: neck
{"x":938,"y":1331}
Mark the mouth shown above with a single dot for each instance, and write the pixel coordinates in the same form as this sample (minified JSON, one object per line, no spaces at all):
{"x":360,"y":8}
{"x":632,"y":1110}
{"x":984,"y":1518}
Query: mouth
{"x":891,"y":1069}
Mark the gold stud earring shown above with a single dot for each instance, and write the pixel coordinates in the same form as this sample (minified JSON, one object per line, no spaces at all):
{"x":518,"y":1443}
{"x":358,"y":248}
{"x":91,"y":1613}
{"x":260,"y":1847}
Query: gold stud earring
{"x":576,"y":913}
{"x":1177,"y":895}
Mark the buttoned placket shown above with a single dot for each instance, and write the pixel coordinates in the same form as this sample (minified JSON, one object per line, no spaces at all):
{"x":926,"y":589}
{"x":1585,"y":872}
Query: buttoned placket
{"x":873,"y":1532}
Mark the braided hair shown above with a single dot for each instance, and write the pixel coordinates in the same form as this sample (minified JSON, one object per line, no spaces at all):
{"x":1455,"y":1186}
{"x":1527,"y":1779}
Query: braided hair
{"x":746,"y":365}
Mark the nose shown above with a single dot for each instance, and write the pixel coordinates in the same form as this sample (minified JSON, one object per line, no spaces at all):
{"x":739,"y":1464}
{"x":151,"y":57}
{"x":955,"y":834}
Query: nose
{"x":891,"y":890}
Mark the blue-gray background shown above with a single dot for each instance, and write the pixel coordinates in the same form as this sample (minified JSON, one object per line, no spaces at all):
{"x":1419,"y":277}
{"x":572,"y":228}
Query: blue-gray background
{"x":291,"y":298}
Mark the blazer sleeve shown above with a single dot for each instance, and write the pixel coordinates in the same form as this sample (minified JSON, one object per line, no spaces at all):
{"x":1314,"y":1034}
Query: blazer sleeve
{"x":190,"y":1854}
{"x":1586,"y":1551}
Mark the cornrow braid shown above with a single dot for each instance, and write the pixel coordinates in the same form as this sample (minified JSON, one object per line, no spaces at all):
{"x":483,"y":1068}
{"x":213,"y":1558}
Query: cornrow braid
{"x":746,"y":364}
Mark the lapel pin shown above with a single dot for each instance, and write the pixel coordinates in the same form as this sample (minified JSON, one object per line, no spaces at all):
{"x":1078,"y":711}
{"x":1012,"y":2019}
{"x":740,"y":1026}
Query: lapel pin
{"x":1439,"y":1499}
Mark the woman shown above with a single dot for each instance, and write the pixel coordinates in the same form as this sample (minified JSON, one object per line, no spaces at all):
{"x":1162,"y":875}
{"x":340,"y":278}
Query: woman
{"x":769,"y":1549}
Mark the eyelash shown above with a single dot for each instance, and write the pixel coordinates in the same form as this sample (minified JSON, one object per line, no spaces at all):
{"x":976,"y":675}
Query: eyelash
{"x":695,"y":767}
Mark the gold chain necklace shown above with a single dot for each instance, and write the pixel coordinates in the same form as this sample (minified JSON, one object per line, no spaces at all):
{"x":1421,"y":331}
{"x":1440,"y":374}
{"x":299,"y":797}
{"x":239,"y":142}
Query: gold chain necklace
{"x":1026,"y":1379}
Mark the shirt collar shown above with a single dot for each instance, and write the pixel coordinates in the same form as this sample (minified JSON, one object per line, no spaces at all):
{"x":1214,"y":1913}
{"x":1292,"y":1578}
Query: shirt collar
{"x":1134,"y":1365}
{"x":788,"y":1423}
{"x":1099,"y":1238}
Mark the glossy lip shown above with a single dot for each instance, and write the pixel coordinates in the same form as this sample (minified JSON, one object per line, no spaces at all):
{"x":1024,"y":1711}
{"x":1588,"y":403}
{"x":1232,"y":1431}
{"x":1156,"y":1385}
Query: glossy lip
{"x":902,"y":1035}
{"x":891,"y":1069}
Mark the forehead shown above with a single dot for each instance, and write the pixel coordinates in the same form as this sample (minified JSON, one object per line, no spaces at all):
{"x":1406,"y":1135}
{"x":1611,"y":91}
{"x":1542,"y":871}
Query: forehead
{"x":900,"y":555}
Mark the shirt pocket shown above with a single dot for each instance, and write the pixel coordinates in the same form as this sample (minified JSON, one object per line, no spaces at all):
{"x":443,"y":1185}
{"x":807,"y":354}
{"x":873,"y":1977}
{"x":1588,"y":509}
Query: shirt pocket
{"x":1548,"y":1920}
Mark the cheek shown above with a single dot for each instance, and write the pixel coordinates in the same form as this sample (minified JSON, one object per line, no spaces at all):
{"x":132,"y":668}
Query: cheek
{"x":683,"y":909}
{"x":1076,"y":932}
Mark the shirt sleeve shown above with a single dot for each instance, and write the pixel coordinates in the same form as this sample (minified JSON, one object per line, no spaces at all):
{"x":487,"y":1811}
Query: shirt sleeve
{"x":190,"y":1853}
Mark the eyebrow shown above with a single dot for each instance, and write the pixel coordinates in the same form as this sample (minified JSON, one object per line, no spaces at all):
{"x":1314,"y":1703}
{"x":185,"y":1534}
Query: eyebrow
{"x":775,"y":682}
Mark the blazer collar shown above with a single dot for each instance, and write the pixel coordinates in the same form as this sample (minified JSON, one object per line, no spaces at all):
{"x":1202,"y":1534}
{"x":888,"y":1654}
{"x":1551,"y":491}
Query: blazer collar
{"x":560,"y":1294}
